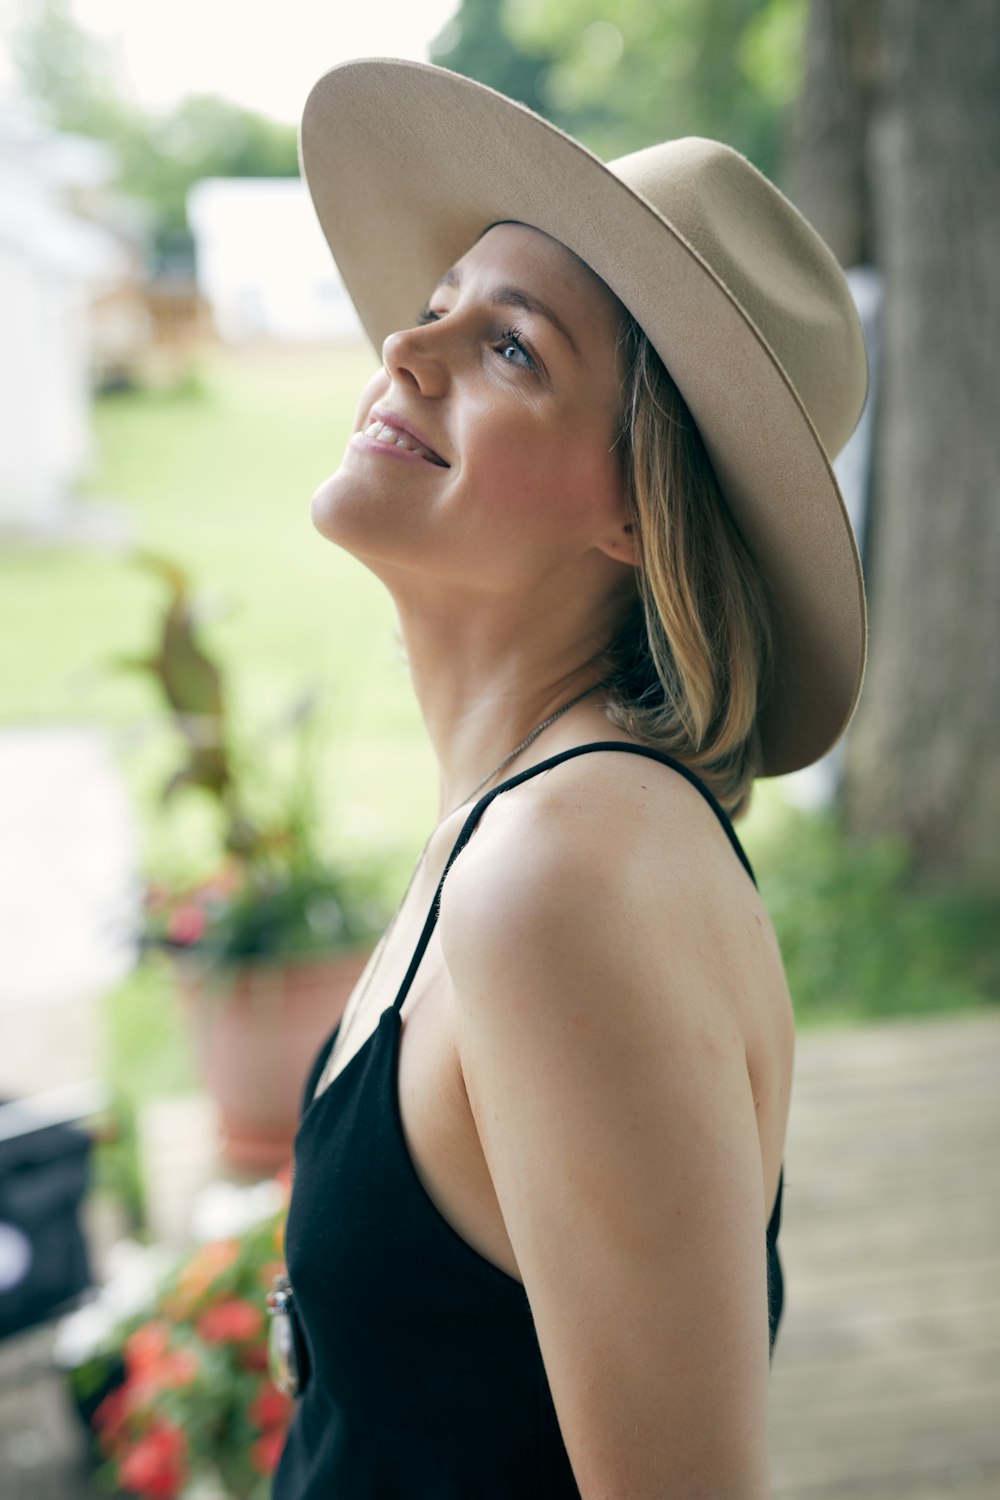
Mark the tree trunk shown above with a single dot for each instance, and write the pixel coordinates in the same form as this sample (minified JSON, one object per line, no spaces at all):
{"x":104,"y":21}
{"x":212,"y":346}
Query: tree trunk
{"x":829,"y":168}
{"x":923,"y":758}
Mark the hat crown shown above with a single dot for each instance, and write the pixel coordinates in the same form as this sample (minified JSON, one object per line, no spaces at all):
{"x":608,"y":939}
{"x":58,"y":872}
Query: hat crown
{"x":771,"y":262}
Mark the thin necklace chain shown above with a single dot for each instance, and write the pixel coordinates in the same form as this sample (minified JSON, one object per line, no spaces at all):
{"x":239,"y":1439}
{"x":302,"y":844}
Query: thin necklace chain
{"x":529,"y":739}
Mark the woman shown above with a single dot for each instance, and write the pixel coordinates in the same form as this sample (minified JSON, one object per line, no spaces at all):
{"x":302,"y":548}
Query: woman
{"x":532,"y":1236}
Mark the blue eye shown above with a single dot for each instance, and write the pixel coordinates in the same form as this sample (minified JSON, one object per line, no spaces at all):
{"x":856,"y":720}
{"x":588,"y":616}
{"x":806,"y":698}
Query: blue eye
{"x":510,"y":338}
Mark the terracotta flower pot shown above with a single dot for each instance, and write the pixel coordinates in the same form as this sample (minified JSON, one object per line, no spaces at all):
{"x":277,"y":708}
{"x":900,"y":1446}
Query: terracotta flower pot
{"x":256,"y":1036}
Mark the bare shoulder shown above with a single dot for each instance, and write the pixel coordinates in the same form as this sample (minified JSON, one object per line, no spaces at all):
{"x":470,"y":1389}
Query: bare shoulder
{"x":611,"y":848}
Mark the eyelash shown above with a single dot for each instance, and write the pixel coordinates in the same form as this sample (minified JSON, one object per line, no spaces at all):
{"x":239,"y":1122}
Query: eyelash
{"x":504,"y":336}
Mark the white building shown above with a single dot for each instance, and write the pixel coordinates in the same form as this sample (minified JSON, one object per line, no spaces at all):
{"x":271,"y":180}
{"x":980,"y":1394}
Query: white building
{"x":263,"y":264}
{"x":52,"y":262}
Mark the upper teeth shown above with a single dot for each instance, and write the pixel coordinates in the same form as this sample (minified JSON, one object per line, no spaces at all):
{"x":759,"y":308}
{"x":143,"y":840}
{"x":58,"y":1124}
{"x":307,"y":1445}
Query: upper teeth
{"x":383,"y":433}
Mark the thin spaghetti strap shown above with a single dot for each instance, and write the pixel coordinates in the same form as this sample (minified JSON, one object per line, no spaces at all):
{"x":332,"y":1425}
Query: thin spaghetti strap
{"x":468,"y":828}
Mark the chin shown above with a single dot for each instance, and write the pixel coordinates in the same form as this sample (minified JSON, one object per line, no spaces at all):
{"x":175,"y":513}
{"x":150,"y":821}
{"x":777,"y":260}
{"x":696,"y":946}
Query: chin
{"x":323,"y":508}
{"x":345,"y":516}
{"x":341,"y":511}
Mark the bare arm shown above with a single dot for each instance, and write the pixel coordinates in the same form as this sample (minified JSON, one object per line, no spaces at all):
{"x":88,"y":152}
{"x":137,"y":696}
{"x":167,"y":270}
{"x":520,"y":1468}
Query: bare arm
{"x":608,"y":1078}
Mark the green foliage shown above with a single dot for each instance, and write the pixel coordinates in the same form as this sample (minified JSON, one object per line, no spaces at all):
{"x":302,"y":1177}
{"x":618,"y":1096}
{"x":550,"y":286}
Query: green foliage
{"x":475,"y":42}
{"x":661,"y":68}
{"x":771,"y":51}
{"x":862,"y":936}
{"x":69,"y":71}
{"x":275,"y":893}
{"x":117,"y":1165}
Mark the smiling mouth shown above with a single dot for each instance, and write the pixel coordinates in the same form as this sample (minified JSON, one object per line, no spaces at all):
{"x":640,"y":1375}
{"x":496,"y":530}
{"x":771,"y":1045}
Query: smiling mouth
{"x":381,"y":432}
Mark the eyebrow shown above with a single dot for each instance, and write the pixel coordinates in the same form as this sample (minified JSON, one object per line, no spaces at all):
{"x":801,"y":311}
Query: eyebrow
{"x":512,"y":296}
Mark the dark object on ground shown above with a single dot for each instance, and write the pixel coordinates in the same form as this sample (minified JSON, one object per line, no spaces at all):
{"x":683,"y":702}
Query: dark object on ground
{"x":44,"y":1263}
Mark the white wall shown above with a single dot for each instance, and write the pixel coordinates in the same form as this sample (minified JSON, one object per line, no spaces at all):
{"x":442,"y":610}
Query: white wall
{"x":50,"y":263}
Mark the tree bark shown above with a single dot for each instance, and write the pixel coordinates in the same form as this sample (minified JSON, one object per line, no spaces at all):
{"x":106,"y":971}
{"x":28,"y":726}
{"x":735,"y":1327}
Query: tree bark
{"x":923,"y":757}
{"x":829,"y":180}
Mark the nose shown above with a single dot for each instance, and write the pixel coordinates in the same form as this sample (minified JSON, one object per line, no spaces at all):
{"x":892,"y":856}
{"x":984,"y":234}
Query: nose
{"x":413,"y":359}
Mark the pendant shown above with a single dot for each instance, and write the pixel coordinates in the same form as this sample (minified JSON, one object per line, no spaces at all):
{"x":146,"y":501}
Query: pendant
{"x":285,"y":1349}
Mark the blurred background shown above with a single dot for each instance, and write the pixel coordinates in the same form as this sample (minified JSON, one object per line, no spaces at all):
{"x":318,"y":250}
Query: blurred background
{"x":213,"y":777}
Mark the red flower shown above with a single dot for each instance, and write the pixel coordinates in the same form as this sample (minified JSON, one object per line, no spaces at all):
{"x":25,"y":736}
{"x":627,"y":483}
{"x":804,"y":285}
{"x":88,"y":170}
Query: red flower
{"x":204,"y":1268}
{"x":177,"y":1368}
{"x":232,"y":1322}
{"x":266,"y":1451}
{"x":156,"y":1465}
{"x":146,"y":1346}
{"x":111,"y":1416}
{"x":187,"y":924}
{"x":153,"y":1366}
{"x":270,"y":1407}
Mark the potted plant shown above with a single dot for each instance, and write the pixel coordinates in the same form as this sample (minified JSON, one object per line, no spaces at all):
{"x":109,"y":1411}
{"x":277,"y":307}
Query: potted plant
{"x":269,"y":941}
{"x":176,"y":1395}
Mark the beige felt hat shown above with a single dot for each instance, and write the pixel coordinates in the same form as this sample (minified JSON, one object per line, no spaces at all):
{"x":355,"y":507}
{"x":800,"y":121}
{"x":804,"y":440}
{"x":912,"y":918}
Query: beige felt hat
{"x":408,"y":164}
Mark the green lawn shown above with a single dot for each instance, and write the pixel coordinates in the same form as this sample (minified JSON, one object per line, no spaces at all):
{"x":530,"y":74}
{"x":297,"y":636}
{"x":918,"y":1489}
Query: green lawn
{"x":219,"y":476}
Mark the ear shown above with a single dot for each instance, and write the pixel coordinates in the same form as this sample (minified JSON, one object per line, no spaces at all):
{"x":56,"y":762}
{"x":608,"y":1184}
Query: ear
{"x":621,"y":544}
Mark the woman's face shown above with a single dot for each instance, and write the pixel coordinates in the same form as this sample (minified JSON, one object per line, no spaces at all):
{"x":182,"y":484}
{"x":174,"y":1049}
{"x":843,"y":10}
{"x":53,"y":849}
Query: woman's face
{"x":508,"y":386}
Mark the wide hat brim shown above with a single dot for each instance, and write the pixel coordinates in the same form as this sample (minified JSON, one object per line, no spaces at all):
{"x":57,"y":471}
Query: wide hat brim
{"x":407,"y":164}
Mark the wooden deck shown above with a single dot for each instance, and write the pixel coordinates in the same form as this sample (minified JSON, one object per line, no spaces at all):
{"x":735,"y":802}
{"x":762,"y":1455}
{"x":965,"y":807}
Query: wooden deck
{"x":885,"y":1383}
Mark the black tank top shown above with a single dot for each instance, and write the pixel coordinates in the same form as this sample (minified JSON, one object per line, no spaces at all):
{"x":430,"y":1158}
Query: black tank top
{"x":425,"y":1377}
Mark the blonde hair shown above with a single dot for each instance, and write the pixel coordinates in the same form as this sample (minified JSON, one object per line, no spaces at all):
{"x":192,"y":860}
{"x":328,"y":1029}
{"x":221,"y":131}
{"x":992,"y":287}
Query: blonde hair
{"x":689,"y":669}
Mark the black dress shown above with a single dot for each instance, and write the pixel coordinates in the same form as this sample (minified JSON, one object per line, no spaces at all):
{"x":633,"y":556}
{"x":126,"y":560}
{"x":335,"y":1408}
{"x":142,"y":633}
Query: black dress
{"x":425,"y":1378}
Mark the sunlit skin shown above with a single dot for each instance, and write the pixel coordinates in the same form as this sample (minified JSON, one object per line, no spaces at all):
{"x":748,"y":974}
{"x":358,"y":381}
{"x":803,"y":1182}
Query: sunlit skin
{"x":596,"y":1055}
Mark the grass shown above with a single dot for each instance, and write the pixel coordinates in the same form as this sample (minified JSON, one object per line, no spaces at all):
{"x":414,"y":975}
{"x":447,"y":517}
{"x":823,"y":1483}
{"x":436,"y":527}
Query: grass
{"x":218,"y":474}
{"x":862,"y":936}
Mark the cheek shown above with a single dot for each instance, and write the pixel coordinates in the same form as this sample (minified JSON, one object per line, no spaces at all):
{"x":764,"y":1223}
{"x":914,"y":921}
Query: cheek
{"x":541,"y":473}
{"x":556,"y":488}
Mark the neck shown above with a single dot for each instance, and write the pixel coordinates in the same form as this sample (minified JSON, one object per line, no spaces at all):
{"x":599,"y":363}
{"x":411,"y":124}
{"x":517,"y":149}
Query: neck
{"x":485,"y":680}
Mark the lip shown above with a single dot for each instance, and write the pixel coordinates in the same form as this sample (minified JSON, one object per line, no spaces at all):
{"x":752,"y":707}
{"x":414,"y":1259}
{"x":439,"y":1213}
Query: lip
{"x":362,"y":444}
{"x":401,"y":424}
